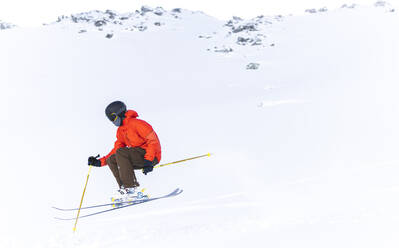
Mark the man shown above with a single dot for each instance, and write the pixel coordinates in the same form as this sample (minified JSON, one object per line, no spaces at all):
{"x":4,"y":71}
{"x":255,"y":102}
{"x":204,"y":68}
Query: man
{"x":137,"y":147}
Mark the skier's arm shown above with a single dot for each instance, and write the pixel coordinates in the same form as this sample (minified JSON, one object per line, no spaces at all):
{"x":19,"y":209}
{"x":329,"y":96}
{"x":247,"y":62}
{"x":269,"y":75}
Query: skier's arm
{"x":119,"y":143}
{"x":145,"y":131}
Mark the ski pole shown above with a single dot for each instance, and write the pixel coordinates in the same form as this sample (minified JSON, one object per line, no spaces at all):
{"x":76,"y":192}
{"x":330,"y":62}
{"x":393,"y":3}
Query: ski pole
{"x":184,"y":160}
{"x":83,"y":195}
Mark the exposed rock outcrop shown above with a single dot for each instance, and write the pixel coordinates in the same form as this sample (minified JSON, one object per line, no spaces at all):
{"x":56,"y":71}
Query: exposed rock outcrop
{"x":6,"y":25}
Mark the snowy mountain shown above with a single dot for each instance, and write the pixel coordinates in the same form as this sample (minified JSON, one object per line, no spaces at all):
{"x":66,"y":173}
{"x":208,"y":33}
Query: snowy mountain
{"x":150,"y":19}
{"x":140,"y":20}
{"x":233,"y":32}
{"x":5,"y":25}
{"x":299,"y":112}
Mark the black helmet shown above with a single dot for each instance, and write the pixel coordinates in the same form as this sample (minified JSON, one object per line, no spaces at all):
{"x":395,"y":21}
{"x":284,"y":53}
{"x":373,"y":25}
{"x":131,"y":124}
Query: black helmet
{"x":115,"y":112}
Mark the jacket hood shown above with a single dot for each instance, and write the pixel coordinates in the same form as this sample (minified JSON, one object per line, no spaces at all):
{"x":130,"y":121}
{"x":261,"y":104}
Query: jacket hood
{"x":131,"y":114}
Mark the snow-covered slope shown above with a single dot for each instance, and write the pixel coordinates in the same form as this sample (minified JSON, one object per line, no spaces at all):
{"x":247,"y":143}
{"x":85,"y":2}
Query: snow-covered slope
{"x":304,"y":146}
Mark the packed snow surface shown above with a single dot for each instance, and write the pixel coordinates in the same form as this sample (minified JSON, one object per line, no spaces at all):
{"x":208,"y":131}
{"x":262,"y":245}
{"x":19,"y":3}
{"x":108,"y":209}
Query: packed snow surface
{"x":300,"y":113}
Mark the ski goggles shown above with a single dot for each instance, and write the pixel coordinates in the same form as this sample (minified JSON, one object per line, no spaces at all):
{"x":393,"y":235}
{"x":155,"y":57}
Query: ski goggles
{"x":116,"y":119}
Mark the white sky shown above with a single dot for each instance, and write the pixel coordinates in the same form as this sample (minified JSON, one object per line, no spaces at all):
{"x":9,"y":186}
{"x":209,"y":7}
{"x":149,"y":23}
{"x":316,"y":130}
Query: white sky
{"x":36,"y":12}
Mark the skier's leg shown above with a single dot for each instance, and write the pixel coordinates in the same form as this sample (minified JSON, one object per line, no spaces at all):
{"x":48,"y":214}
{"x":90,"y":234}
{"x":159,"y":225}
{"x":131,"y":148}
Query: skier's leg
{"x":126,"y":171}
{"x":111,"y":161}
{"x":137,"y":157}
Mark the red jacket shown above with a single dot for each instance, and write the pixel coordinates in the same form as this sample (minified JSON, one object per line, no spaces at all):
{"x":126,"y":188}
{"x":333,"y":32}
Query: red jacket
{"x":136,"y":133}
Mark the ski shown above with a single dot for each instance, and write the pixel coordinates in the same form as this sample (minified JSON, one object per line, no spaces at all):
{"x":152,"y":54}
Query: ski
{"x":96,"y":206}
{"x":129,"y":204}
{"x":101,"y":205}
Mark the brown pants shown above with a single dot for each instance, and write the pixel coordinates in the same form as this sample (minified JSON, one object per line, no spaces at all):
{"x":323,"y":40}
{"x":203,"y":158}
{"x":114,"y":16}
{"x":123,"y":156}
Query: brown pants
{"x":124,"y":162}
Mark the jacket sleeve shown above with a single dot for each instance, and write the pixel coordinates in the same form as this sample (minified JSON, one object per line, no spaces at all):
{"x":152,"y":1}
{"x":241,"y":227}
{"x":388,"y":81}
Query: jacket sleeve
{"x":119,"y":143}
{"x":148,"y":134}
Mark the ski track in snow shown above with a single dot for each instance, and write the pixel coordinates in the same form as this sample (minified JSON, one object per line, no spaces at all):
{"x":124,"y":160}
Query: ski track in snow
{"x":185,"y":209}
{"x":221,"y":197}
{"x":265,"y":104}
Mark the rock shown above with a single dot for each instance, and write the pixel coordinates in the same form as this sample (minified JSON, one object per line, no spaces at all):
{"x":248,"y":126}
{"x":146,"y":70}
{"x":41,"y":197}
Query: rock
{"x":245,"y":27}
{"x":74,"y":19}
{"x":5,"y":25}
{"x":324,"y":9}
{"x":159,"y":11}
{"x":234,"y":21}
{"x":253,"y":66}
{"x":272,"y":45}
{"x":352,"y":6}
{"x":109,"y":36}
{"x":244,"y":41}
{"x":100,"y":23}
{"x":257,"y":42}
{"x":229,"y":24}
{"x":380,"y":4}
{"x":312,"y":11}
{"x":145,"y":9}
{"x":176,"y":10}
{"x":82,"y":31}
{"x":60,"y":18}
{"x":223,"y":50}
{"x":204,"y":37}
{"x":141,"y":28}
{"x":111,"y":14}
{"x":157,"y":23}
{"x":86,"y":17}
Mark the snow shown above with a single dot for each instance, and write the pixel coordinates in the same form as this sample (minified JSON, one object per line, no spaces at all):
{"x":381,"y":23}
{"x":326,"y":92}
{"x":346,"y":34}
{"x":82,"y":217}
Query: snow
{"x":304,"y":148}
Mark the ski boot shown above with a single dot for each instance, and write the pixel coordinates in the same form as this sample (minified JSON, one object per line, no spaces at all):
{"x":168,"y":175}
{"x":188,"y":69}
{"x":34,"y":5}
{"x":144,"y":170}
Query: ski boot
{"x":126,"y":196}
{"x":134,"y":194}
{"x":118,"y":198}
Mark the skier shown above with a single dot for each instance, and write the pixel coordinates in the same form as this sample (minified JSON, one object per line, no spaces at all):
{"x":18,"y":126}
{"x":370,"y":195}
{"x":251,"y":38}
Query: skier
{"x":137,"y":147}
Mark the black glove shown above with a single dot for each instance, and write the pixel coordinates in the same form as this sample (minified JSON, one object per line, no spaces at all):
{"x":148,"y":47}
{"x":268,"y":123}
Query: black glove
{"x":148,"y":166}
{"x":93,"y":161}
